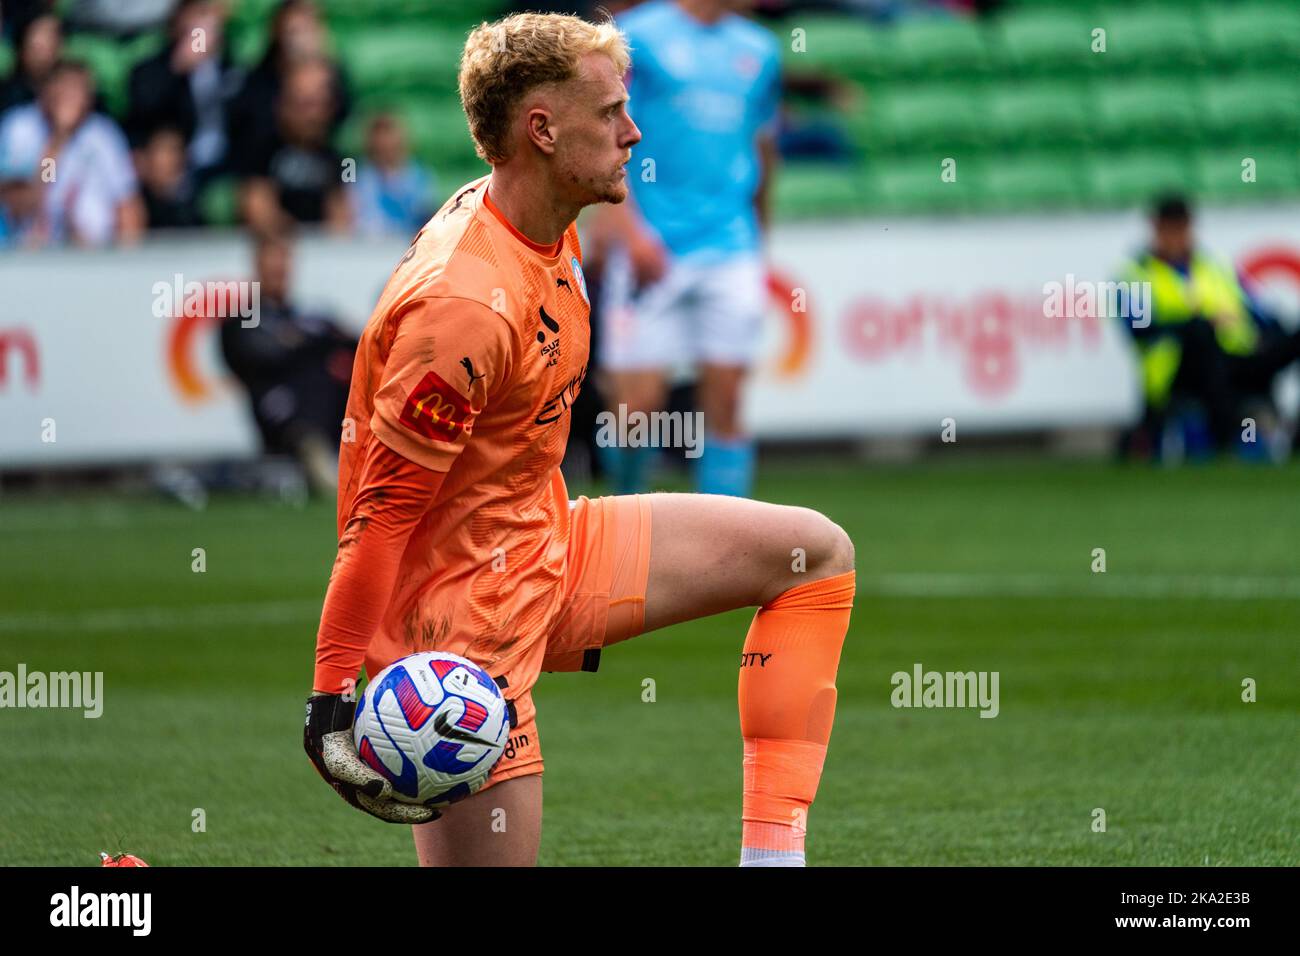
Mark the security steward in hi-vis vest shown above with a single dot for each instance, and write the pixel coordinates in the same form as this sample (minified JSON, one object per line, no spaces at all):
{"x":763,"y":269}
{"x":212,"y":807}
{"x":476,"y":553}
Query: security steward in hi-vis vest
{"x":1203,"y":336}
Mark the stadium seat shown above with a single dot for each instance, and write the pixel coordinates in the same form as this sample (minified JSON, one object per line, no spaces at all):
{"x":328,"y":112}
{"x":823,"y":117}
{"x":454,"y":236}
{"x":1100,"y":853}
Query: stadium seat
{"x":109,"y":61}
{"x":403,"y":59}
{"x":940,"y":46}
{"x":842,"y":46}
{"x":1132,"y":111}
{"x":1266,"y":105}
{"x":940,"y":115}
{"x":1154,"y":37}
{"x":803,"y":190}
{"x":435,"y":127}
{"x":1219,"y":172}
{"x":414,"y":12}
{"x":1132,"y":178}
{"x":1019,"y":181}
{"x":1047,"y":40}
{"x":1253,"y":34}
{"x":1040,"y":112}
{"x":913,"y":183}
{"x":219,"y":202}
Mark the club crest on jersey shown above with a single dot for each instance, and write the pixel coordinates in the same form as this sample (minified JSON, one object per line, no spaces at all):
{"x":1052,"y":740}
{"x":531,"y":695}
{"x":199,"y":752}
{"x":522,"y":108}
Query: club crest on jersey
{"x":582,"y":280}
{"x":436,"y":410}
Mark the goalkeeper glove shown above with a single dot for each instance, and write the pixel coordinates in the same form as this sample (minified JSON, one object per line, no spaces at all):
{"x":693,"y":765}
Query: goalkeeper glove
{"x":327,"y":738}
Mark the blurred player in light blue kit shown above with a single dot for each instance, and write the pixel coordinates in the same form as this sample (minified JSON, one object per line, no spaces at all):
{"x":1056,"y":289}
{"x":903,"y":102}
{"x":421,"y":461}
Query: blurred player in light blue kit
{"x":685,"y":282}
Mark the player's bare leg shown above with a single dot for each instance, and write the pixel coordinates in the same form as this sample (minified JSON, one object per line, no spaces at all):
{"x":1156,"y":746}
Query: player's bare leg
{"x":719,"y":398}
{"x":713,"y":553}
{"x":501,"y":826}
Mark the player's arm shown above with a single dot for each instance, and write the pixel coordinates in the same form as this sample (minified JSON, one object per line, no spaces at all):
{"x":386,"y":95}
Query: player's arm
{"x":622,"y":225}
{"x":421,"y":423}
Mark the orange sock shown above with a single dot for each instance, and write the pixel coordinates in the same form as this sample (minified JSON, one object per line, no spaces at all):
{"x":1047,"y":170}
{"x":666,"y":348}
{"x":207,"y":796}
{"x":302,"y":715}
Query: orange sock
{"x":787,"y":706}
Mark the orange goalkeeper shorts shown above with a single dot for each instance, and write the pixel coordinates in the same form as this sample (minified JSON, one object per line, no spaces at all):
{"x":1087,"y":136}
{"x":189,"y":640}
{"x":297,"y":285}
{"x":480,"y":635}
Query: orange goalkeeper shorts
{"x":607,"y":566}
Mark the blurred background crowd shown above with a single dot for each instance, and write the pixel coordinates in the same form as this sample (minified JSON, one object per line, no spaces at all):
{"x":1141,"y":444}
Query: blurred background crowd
{"x":341,"y":118}
{"x":184,"y":113}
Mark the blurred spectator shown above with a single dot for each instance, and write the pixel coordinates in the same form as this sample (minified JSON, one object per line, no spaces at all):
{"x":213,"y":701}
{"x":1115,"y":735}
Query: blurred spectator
{"x":296,"y":368}
{"x":392,"y":194}
{"x":297,"y":35}
{"x":14,"y":13}
{"x":120,"y":18}
{"x":20,"y":200}
{"x":297,"y":175}
{"x":187,"y":86}
{"x":88,"y":192}
{"x":165,"y":183}
{"x":1205,"y":337}
{"x":38,"y":42}
{"x":810,"y":119}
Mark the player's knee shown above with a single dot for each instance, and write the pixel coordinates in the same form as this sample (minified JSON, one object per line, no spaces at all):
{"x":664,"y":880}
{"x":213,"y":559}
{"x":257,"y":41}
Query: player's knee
{"x":837,"y":548}
{"x":824,"y":549}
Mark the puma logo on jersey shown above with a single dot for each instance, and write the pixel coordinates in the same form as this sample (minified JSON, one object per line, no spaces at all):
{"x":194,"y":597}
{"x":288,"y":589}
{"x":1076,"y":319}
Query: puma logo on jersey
{"x":469,"y":370}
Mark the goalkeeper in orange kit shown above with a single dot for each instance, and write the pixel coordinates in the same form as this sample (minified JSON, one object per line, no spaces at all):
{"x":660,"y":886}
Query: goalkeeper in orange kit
{"x":456,"y":532}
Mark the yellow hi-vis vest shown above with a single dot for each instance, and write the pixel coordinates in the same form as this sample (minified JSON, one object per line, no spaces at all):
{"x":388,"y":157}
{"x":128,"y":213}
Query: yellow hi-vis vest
{"x":1209,"y":290}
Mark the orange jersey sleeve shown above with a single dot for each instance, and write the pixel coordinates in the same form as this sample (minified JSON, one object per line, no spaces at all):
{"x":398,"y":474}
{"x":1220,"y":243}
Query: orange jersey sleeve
{"x":395,"y":493}
{"x":449,"y":356}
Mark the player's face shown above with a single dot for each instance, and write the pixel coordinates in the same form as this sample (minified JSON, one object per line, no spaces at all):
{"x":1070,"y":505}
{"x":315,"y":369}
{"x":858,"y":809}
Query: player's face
{"x":596,"y":134}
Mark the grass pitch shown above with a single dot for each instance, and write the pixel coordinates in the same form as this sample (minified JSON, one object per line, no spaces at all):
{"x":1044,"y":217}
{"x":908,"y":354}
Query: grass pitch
{"x":1120,"y":691}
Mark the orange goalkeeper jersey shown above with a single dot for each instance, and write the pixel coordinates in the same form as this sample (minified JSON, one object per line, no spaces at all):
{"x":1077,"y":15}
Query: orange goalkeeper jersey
{"x":469,"y":366}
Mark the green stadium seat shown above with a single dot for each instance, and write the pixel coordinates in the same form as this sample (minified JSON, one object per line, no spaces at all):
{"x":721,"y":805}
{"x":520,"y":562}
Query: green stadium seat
{"x":941,"y":46}
{"x":1019,"y":181}
{"x":109,"y":61}
{"x":1040,"y":112}
{"x":1156,"y":38}
{"x":1137,"y":111}
{"x":941,"y":115}
{"x":1264,"y":105}
{"x":1047,"y":40}
{"x":414,"y":12}
{"x":804,"y":190}
{"x":403,"y":59}
{"x":1219,"y":172}
{"x":219,"y":202}
{"x":436,"y":130}
{"x":913,"y":184}
{"x":1132,"y":178}
{"x":839,"y":45}
{"x":252,"y":12}
{"x":1253,"y":34}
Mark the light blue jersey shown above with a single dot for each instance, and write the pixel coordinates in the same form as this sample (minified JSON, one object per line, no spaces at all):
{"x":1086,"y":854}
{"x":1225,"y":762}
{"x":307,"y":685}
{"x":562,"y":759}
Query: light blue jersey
{"x":700,"y":95}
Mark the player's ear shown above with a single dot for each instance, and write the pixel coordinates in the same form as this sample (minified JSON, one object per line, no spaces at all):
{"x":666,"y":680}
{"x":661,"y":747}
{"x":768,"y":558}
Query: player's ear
{"x":541,"y":132}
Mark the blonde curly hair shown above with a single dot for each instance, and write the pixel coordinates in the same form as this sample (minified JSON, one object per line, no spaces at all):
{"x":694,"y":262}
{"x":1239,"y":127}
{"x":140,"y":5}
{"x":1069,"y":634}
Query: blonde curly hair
{"x":504,"y":61}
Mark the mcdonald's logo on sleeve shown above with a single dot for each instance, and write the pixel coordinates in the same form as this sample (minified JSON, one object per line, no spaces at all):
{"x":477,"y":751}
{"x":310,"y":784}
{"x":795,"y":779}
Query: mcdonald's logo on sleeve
{"x":436,"y":410}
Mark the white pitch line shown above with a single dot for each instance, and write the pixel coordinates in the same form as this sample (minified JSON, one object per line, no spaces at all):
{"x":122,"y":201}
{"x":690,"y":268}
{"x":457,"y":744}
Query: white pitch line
{"x":1111,"y":585}
{"x":159,"y":618}
{"x":956,"y":585}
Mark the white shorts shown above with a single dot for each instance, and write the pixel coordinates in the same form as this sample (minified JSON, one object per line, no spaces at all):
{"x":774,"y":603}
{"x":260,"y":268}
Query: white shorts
{"x":697,"y":313}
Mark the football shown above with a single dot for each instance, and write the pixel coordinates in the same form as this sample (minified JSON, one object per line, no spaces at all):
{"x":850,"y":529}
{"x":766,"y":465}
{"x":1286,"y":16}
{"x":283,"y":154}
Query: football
{"x":434,"y":724}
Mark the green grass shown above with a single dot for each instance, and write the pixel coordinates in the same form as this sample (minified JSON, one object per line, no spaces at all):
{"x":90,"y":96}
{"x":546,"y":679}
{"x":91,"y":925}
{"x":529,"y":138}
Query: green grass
{"x":1119,"y":691}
